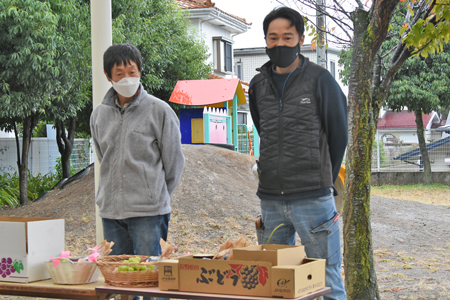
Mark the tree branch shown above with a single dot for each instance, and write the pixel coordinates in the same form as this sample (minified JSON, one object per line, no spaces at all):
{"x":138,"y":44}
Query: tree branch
{"x":387,"y":53}
{"x":343,"y":11}
{"x":391,"y":71}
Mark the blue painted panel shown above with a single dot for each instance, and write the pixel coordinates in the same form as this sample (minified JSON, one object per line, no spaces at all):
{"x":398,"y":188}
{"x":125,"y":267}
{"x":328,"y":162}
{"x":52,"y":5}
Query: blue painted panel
{"x":186,"y":115}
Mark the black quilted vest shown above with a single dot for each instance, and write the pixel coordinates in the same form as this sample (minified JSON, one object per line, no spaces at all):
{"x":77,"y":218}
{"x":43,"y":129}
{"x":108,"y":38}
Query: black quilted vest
{"x":294,"y":155}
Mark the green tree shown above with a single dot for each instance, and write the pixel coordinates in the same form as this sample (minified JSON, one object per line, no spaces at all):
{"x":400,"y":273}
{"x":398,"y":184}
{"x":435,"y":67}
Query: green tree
{"x":422,"y":86}
{"x":365,"y":26}
{"x":170,"y":52}
{"x":27,"y":65}
{"x":72,"y":87}
{"x":159,"y":30}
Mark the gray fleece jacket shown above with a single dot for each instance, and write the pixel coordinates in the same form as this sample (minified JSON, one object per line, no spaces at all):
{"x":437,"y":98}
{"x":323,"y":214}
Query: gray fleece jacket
{"x":141,"y":160}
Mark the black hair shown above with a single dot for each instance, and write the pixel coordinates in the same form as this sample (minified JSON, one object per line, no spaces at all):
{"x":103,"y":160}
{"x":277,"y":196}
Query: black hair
{"x":121,"y":53}
{"x":286,"y":13}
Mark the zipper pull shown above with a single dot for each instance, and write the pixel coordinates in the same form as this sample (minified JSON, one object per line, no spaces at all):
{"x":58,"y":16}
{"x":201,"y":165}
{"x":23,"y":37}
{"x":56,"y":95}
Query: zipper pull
{"x":281,"y":105}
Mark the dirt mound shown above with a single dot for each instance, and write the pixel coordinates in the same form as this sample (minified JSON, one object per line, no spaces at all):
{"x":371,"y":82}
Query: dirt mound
{"x":214,"y":200}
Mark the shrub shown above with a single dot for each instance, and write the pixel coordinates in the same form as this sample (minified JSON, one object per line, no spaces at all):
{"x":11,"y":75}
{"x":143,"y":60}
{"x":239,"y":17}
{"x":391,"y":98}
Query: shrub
{"x":37,"y":185}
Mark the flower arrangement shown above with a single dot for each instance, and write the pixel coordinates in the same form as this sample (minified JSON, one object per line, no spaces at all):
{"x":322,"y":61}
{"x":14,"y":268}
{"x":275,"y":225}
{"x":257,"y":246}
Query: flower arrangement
{"x":105,"y":249}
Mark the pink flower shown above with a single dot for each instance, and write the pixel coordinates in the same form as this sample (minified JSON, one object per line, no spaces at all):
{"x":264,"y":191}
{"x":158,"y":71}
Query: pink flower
{"x":64,"y":255}
{"x":93,"y":256}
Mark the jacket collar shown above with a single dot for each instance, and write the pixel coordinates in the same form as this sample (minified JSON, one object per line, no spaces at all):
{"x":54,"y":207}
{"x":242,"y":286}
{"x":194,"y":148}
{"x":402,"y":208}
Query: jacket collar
{"x":109,"y":97}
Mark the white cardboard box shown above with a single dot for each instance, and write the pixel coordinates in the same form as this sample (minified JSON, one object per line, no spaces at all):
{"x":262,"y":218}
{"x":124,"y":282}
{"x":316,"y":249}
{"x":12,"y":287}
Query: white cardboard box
{"x":26,"y":244}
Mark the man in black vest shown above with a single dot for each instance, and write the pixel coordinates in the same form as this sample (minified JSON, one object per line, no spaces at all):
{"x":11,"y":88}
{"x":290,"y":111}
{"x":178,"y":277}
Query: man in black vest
{"x":300,"y":113}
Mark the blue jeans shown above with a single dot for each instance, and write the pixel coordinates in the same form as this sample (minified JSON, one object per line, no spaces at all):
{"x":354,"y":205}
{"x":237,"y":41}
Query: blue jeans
{"x":140,"y":236}
{"x":316,"y":222}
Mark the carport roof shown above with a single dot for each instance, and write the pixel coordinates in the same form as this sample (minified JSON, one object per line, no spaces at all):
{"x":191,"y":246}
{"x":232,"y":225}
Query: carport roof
{"x":416,"y":152}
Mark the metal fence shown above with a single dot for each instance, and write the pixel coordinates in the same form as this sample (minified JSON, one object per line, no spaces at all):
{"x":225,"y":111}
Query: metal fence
{"x":44,"y":155}
{"x":401,"y":153}
{"x":396,"y":151}
{"x":395,"y":154}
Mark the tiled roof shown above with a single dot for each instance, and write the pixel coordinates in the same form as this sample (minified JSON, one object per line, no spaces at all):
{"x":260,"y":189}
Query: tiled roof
{"x":403,"y":119}
{"x":190,"y":4}
{"x":196,"y":4}
{"x":214,"y":76}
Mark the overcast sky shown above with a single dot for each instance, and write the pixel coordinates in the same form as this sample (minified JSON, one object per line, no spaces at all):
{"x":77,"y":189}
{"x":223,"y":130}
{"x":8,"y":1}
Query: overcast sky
{"x":253,"y":11}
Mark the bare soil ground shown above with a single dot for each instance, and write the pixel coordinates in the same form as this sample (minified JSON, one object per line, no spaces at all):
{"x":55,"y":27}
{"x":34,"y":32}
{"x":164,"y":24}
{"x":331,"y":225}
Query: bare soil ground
{"x":216,"y":201}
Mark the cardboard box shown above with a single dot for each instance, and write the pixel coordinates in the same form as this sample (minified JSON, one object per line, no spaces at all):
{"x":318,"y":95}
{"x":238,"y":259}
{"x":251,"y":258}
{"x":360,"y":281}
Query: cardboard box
{"x":296,"y":281}
{"x":228,"y":277}
{"x":275,"y":254}
{"x":26,"y":244}
{"x":168,"y":275}
{"x":216,"y":276}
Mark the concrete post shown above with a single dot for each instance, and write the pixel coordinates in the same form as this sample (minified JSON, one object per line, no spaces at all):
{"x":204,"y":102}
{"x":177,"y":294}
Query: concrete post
{"x":101,"y":39}
{"x":321,"y":25}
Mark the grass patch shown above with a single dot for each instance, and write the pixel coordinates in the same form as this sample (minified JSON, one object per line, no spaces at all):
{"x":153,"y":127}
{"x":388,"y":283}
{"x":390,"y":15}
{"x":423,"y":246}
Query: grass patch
{"x":438,"y":249}
{"x":399,"y":275}
{"x":381,"y":253}
{"x":433,"y":270}
{"x":429,"y":194}
{"x":407,"y":258}
{"x":405,"y":266}
{"x":247,"y":217}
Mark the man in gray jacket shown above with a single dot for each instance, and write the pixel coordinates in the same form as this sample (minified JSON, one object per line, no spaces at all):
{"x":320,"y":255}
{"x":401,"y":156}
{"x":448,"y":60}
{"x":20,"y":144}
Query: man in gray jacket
{"x":137,"y":141}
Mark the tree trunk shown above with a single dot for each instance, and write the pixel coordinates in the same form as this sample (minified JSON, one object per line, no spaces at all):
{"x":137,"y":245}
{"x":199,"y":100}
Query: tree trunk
{"x":423,"y":148}
{"x":65,"y":144}
{"x":22,"y":165}
{"x":360,"y":276}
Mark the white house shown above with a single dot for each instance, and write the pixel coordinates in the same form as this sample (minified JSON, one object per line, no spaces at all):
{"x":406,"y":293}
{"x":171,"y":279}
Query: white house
{"x":246,"y":61}
{"x":217,"y":28}
{"x":397,"y":132}
{"x":401,"y":127}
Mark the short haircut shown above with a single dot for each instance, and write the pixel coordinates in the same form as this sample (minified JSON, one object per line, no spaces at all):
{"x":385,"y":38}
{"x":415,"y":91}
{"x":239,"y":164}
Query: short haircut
{"x":121,"y":53}
{"x":285,"y":13}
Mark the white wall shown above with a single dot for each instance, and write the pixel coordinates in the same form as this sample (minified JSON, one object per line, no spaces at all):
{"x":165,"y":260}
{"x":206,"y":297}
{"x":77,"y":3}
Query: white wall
{"x":4,"y":134}
{"x":252,"y":58}
{"x":207,"y":32}
{"x":43,"y":155}
{"x":409,"y":136}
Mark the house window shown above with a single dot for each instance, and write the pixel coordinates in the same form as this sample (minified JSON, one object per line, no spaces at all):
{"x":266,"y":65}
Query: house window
{"x":223,"y":55}
{"x":238,"y":69}
{"x":333,"y":68}
{"x":242,"y":118}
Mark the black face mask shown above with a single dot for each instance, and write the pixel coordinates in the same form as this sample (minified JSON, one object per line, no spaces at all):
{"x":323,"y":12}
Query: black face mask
{"x":283,"y":56}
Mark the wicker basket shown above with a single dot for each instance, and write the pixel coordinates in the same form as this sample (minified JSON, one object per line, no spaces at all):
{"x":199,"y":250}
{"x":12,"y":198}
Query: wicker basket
{"x":109,"y":265}
{"x":73,"y":272}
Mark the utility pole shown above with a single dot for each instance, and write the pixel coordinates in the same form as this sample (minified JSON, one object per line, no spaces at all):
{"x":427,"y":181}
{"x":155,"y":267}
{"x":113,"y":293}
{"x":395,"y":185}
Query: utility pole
{"x":101,"y":39}
{"x":320,"y":21}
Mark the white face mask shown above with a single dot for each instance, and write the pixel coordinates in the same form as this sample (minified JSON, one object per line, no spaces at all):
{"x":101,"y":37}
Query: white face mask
{"x":126,"y":86}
